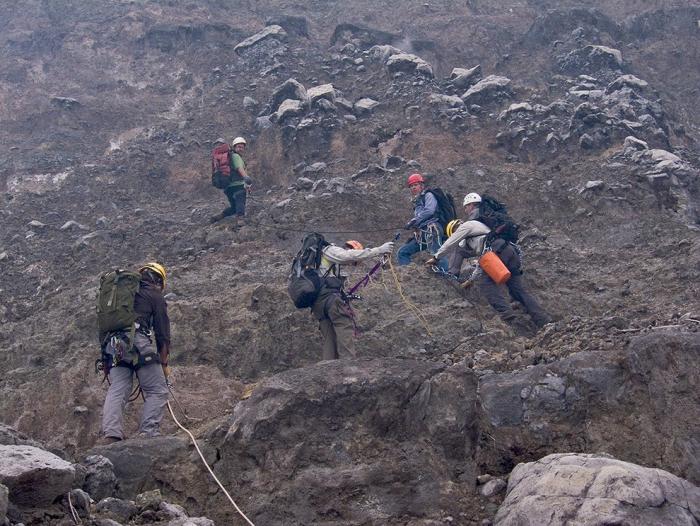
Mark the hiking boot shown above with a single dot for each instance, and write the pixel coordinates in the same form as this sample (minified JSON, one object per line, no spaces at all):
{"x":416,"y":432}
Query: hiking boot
{"x":216,"y":218}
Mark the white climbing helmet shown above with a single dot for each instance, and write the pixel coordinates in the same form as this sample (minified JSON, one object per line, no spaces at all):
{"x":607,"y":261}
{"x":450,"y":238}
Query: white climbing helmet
{"x":238,"y":140}
{"x":471,"y":198}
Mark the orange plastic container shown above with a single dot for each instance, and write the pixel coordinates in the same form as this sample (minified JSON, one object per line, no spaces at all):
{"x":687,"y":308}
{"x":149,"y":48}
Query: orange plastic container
{"x":494,"y":267}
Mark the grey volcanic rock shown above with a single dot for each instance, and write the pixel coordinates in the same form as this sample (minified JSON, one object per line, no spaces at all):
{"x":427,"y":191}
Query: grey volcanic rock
{"x":118,"y":509}
{"x":571,"y":404}
{"x":289,"y":108}
{"x":4,"y":502}
{"x":289,"y":89}
{"x":462,"y":78}
{"x":139,"y":464}
{"x":572,"y":488}
{"x":324,"y":91}
{"x":270,"y":32}
{"x":33,"y":476}
{"x":100,"y":481}
{"x":409,"y":63}
{"x":364,"y":440}
{"x":487,"y":89}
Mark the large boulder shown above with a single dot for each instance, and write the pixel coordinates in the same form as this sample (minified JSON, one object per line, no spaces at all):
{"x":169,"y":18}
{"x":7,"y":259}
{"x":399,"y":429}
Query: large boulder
{"x":289,"y":89}
{"x":324,"y":91}
{"x":100,"y":480}
{"x":492,"y":87}
{"x":358,"y":441}
{"x":637,"y":404}
{"x":34,"y":477}
{"x":565,"y":489}
{"x":289,"y":108}
{"x":144,"y":464}
{"x":463,"y":78}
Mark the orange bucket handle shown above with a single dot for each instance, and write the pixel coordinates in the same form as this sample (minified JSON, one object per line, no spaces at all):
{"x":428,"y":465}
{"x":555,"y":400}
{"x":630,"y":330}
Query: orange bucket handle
{"x":494,"y":267}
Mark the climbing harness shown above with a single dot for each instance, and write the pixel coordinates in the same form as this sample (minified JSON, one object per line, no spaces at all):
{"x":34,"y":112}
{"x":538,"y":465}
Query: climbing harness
{"x":196,"y":446}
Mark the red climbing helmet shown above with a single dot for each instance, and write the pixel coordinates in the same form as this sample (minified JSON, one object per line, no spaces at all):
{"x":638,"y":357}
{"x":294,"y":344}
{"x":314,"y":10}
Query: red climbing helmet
{"x":415,"y":179}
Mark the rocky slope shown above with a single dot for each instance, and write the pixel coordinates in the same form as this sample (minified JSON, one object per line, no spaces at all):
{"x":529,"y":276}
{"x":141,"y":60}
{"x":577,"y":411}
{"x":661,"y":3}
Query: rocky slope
{"x":581,"y":119}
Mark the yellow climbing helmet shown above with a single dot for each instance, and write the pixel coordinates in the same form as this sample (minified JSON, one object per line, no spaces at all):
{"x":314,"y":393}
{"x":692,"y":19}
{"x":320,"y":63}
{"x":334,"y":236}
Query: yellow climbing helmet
{"x":452,"y":226}
{"x":155,"y":267}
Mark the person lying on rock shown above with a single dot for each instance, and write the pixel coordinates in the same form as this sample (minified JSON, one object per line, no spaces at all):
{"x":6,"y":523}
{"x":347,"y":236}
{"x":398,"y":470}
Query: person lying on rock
{"x":425,"y":222}
{"x":332,"y":307}
{"x":237,"y":183}
{"x":469,"y":240}
{"x":143,"y":359}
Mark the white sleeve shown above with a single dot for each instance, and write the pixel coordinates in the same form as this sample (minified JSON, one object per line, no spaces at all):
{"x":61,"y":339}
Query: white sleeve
{"x":340,"y":255}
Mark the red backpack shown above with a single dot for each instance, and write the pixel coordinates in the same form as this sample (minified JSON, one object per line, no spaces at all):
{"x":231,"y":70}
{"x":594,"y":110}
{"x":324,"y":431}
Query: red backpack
{"x":221,"y":166}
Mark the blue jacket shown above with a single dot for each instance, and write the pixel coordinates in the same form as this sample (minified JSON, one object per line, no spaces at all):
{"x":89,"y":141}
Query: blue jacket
{"x":425,"y":211}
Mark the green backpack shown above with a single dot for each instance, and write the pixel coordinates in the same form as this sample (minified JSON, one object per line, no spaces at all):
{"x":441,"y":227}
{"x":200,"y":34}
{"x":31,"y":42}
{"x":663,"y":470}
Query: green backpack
{"x":115,"y":302}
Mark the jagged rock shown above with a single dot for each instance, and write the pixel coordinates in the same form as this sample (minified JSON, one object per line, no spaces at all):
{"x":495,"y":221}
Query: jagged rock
{"x":117,"y":509}
{"x":569,"y":404}
{"x":492,"y":487}
{"x":289,"y":108}
{"x":274,"y":31}
{"x":67,"y":103}
{"x":635,"y":144}
{"x":629,"y":81}
{"x":408,"y":63}
{"x":249,"y":103}
{"x":289,"y":89}
{"x":607,"y":52}
{"x":463,"y":78}
{"x":100,"y":481}
{"x":383,"y":52}
{"x":324,"y":91}
{"x":445,"y":101}
{"x":515,"y":108}
{"x":336,"y":412}
{"x":33,"y":476}
{"x":315,"y":168}
{"x":172,"y":511}
{"x":139,"y":462}
{"x":487,"y":89}
{"x":11,"y":437}
{"x":568,"y":488}
{"x":304,"y":183}
{"x":365,"y":106}
{"x":264,"y":122}
{"x":149,"y":500}
{"x":4,"y":502}
{"x":81,"y":501}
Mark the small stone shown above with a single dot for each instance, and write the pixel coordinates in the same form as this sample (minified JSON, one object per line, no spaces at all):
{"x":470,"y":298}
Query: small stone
{"x":483,"y":479}
{"x":4,"y":256}
{"x":283,"y":203}
{"x":72,"y":225}
{"x":80,"y":410}
{"x":493,"y":487}
{"x":249,"y":103}
{"x":365,"y":105}
{"x":304,"y":183}
{"x":36,"y":225}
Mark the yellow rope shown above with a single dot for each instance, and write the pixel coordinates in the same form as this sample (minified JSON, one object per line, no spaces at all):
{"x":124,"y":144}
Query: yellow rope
{"x":207,"y":465}
{"x":411,"y":306}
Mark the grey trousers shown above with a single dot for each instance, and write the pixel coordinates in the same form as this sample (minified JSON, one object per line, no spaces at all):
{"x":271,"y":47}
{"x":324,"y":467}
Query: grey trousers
{"x":456,"y":258}
{"x":516,"y":289}
{"x":155,"y":392}
{"x":337,"y":327}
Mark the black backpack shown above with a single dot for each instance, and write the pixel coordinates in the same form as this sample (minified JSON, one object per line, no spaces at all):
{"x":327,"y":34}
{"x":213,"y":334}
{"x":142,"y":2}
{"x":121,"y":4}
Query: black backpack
{"x":445,"y":206}
{"x":304,"y":280}
{"x":495,"y":216}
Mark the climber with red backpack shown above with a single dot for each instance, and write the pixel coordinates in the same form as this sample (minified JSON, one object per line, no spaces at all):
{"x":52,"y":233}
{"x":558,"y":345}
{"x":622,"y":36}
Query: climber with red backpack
{"x":488,"y":232}
{"x":229,"y":174}
{"x":433,"y":210}
{"x":316,"y":282}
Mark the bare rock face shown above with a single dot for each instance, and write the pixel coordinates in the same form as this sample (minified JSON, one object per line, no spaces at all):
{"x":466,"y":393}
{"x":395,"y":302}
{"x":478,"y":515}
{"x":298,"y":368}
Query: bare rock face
{"x":4,"y":501}
{"x":596,"y":489}
{"x":33,"y":476}
{"x":359,"y":441}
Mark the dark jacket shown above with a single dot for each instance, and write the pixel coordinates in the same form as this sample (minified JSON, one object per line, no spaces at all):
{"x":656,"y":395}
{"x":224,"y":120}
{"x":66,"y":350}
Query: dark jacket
{"x":152,"y":312}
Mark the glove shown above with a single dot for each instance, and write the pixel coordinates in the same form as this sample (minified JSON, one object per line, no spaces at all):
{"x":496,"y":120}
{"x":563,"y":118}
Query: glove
{"x":166,"y":371}
{"x":431,"y":262}
{"x":410,"y":225}
{"x":247,"y":180}
{"x":387,"y":248}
